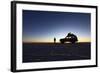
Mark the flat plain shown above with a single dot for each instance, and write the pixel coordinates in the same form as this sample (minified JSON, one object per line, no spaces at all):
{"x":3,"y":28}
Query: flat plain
{"x":43,"y":52}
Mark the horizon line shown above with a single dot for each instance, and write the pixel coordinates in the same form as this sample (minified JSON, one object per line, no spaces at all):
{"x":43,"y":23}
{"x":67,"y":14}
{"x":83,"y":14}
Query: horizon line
{"x":55,"y":42}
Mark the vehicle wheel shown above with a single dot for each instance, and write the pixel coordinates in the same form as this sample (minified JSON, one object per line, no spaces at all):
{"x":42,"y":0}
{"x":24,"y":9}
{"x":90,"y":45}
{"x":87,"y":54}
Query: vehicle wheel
{"x":62,"y":42}
{"x":73,"y":42}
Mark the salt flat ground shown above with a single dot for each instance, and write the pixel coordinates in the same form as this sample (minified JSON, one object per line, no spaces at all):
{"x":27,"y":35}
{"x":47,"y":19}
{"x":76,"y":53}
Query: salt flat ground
{"x":41,"y":52}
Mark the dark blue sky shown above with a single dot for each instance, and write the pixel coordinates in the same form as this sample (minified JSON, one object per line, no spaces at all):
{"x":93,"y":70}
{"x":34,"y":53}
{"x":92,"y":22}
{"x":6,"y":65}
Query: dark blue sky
{"x":43,"y":26}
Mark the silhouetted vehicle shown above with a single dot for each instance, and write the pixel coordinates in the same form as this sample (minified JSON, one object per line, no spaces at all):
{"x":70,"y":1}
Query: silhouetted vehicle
{"x":69,"y":38}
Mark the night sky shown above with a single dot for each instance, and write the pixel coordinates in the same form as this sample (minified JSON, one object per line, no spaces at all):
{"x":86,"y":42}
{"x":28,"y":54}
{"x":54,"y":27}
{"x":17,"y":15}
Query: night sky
{"x":43,"y":26}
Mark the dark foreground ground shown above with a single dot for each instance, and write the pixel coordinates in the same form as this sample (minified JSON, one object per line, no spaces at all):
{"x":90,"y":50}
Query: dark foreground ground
{"x":40,"y":52}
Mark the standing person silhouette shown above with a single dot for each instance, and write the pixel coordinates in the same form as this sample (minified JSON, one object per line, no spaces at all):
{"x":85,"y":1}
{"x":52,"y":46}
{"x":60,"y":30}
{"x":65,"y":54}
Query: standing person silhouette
{"x":54,"y":40}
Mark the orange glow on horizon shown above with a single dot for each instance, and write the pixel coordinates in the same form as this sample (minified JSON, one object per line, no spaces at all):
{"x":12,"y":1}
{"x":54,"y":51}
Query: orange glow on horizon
{"x":85,"y":39}
{"x":81,"y":39}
